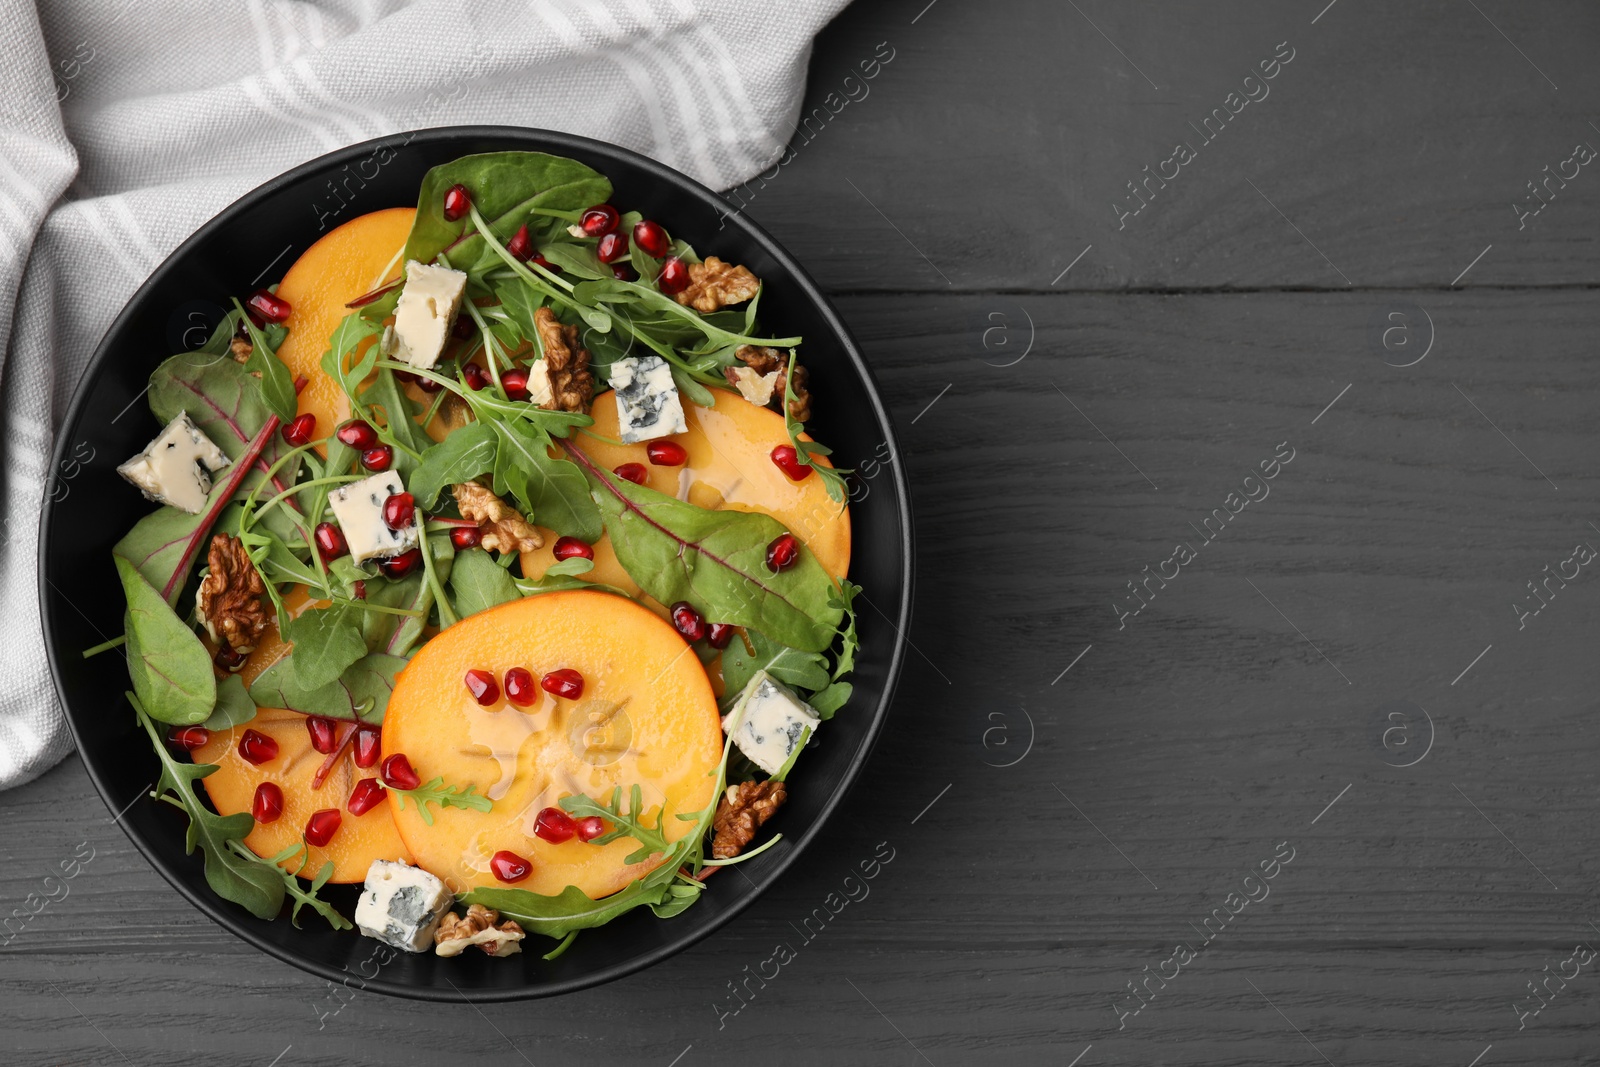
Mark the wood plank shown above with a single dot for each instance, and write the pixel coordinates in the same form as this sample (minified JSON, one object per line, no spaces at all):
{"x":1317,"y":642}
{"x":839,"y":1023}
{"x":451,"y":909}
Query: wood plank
{"x":1171,"y":759}
{"x":989,"y":151}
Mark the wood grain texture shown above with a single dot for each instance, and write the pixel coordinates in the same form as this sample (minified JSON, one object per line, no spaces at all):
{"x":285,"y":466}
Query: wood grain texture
{"x":1069,"y":792}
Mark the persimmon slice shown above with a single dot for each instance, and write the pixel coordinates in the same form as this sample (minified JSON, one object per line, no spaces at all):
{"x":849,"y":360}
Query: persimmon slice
{"x":338,"y":268}
{"x":729,"y":466}
{"x":232,"y":786}
{"x":647,"y":717}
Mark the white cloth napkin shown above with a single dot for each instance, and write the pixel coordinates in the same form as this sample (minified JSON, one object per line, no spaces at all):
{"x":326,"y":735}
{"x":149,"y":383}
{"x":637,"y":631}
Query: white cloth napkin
{"x":125,"y":125}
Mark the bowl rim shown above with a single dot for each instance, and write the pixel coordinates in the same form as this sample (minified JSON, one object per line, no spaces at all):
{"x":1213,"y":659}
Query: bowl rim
{"x":218,"y":910}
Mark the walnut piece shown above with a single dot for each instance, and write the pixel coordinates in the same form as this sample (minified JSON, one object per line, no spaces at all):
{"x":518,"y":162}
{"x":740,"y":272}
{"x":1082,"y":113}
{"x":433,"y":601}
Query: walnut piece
{"x":715,"y":284}
{"x":744,"y":807}
{"x":566,"y":362}
{"x":481,"y":926}
{"x":228,"y":603}
{"x":240,"y":347}
{"x":504,"y":528}
{"x":763,"y":361}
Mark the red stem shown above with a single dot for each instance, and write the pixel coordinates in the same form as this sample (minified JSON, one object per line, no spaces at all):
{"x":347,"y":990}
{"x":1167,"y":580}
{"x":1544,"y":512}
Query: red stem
{"x":241,"y":468}
{"x":333,"y":758}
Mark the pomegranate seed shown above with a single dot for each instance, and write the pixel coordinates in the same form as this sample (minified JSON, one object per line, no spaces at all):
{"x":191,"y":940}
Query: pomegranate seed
{"x":652,"y":238}
{"x":554,"y":825}
{"x":330,"y":541}
{"x":484,"y":689}
{"x":612,"y":247}
{"x":568,"y":547}
{"x":667,"y":453}
{"x":718,"y":634}
{"x":783,"y":553}
{"x":565,"y":682}
{"x":378,"y":459}
{"x":465,"y":537}
{"x":674,"y":276}
{"x":230,"y":659}
{"x":788,"y":461}
{"x":475,"y":376}
{"x":267,"y":804}
{"x":632,"y":472}
{"x":509,"y":867}
{"x":358,"y":434}
{"x":397,"y":567}
{"x":520,"y":244}
{"x":428,"y":385}
{"x":519,"y":687}
{"x":399,"y":511}
{"x":462,"y":330}
{"x":624,"y":272}
{"x":515,"y":383}
{"x":257,"y":748}
{"x":359,"y":589}
{"x":546,"y":264}
{"x":268,"y":306}
{"x":322,"y":825}
{"x":397,"y":773}
{"x":298,"y":430}
{"x":687,"y":621}
{"x":324,"y":738}
{"x":599,"y":220}
{"x":369,"y":742}
{"x":189,"y":738}
{"x":457,"y":201}
{"x":368,"y":794}
{"x":590,"y":827}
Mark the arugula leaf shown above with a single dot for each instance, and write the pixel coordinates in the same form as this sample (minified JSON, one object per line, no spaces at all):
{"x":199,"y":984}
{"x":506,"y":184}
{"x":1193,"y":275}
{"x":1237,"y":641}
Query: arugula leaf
{"x":845,"y":600}
{"x":554,"y":490}
{"x":506,"y":188}
{"x":291,"y":884}
{"x":479,"y":583}
{"x":446,"y":796}
{"x":361,"y":692}
{"x":326,"y":641}
{"x":234,"y":706}
{"x":624,"y":823}
{"x":715,"y":560}
{"x":803,"y":670}
{"x":466,"y":452}
{"x":232,"y":877}
{"x":400,"y":427}
{"x":277,"y":385}
{"x":169,"y":666}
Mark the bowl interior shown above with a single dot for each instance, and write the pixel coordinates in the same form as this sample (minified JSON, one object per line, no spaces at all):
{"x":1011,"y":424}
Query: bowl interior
{"x":252,"y":243}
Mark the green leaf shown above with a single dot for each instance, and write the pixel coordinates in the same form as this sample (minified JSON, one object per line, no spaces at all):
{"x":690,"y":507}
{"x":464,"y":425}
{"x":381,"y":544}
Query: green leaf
{"x":466,"y":452}
{"x":477,"y":582}
{"x":446,"y":796}
{"x":234,"y":706}
{"x":400,"y":426}
{"x":553,"y":489}
{"x":277,"y":385}
{"x":246,"y":882}
{"x":625,"y":822}
{"x":715,"y":560}
{"x":845,"y":600}
{"x":505,"y":188}
{"x":169,"y":666}
{"x":571,"y":909}
{"x":791,"y":666}
{"x":830,"y":699}
{"x":360,"y":693}
{"x":326,"y":641}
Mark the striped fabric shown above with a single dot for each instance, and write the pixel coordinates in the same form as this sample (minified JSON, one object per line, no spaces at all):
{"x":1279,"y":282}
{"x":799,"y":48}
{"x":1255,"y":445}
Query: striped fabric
{"x":124,"y":125}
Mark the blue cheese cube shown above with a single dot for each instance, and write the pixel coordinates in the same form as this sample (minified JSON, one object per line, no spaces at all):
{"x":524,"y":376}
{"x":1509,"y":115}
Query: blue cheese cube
{"x":647,"y":400}
{"x":768,"y":722}
{"x":359,"y":509}
{"x":426,"y":312}
{"x":401,"y":905}
{"x":176,"y":467}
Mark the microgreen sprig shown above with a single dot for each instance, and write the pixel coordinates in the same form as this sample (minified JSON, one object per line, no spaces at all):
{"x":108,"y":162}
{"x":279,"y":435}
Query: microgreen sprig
{"x":446,"y":796}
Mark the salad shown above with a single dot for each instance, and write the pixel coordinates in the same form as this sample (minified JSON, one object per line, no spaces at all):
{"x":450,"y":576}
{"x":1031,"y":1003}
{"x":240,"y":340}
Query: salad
{"x":494,"y":570}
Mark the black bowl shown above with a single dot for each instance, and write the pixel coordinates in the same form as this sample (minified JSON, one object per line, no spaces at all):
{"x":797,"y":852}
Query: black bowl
{"x":252,"y":243}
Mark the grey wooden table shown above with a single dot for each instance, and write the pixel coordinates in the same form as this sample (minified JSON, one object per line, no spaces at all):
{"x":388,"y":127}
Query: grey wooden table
{"x":1242,"y":357}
